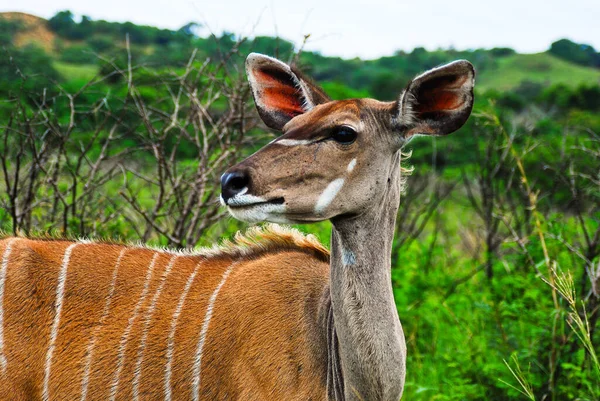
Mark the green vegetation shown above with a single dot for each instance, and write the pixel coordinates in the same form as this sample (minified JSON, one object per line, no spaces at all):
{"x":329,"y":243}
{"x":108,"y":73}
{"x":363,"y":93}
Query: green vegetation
{"x":496,"y":260}
{"x":74,"y":72}
{"x":581,"y":54}
{"x":541,"y":68}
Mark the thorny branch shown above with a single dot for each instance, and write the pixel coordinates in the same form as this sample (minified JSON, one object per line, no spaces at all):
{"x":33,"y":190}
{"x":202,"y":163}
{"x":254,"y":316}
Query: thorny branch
{"x":164,"y":157}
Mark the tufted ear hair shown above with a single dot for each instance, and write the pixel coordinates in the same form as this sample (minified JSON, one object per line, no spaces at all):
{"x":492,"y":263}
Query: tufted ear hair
{"x":437,"y":102}
{"x":280,"y":92}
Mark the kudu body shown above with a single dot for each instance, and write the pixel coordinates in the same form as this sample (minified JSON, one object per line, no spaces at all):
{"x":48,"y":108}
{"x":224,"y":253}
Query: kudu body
{"x":269,"y":317}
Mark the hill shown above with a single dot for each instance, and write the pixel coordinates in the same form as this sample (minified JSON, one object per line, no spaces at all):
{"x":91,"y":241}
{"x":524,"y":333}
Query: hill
{"x":74,"y":47}
{"x":33,"y":30}
{"x":540,"y":68}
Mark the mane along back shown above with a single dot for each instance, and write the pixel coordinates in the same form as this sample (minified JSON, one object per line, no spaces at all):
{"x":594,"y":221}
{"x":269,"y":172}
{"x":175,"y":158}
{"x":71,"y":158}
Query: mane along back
{"x":269,"y":238}
{"x":253,"y":243}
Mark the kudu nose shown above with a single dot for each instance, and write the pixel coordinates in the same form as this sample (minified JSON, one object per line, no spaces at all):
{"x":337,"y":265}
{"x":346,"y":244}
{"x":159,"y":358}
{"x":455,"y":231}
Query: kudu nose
{"x":233,"y":183}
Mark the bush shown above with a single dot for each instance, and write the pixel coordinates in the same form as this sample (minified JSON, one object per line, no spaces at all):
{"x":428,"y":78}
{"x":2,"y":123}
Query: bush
{"x":101,"y":43}
{"x":28,"y":69}
{"x":581,"y":54}
{"x":584,"y":97}
{"x":502,"y":51}
{"x":78,"y":54}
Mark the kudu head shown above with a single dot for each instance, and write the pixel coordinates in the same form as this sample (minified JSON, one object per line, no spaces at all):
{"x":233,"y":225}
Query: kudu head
{"x":335,"y":157}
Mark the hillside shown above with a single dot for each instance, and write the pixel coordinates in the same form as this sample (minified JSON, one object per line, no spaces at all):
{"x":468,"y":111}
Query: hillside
{"x":541,"y":68}
{"x":74,"y":47}
{"x":34,"y":30}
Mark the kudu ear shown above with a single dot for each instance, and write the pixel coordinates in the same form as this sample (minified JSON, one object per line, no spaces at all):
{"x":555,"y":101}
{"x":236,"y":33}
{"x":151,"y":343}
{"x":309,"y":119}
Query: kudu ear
{"x":439,"y":101}
{"x":280,"y":92}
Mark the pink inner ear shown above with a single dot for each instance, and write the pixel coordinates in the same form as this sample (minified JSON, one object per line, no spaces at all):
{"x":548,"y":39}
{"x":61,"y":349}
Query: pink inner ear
{"x":440,"y":100}
{"x":441,"y":94}
{"x":278,"y":94}
{"x":282,"y":99}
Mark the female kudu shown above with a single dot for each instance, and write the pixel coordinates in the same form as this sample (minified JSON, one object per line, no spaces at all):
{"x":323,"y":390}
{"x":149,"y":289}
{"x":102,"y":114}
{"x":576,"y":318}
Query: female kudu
{"x":269,"y":317}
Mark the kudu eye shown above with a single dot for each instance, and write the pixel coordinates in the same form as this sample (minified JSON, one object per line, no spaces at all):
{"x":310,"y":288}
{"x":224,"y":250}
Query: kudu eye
{"x":344,"y":135}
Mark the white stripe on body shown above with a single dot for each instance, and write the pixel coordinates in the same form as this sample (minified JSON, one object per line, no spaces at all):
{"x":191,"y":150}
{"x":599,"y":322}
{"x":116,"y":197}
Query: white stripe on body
{"x":171,"y":338}
{"x":3,"y":273}
{"x":60,"y":292}
{"x":125,"y":337}
{"x":198,"y":356}
{"x":92,"y":344}
{"x":137,"y":371}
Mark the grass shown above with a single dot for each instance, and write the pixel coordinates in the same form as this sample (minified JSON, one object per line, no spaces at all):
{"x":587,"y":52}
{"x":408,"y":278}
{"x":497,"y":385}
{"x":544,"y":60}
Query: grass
{"x":540,"y":68}
{"x":73,"y":72}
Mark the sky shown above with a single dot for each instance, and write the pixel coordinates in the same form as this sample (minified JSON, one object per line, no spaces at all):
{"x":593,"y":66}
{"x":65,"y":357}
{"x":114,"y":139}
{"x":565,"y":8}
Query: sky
{"x":358,"y":28}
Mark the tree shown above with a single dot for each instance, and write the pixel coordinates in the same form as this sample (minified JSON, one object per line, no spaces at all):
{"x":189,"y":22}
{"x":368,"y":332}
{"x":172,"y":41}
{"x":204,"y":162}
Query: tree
{"x":190,"y":28}
{"x":581,"y":54}
{"x":62,"y":23}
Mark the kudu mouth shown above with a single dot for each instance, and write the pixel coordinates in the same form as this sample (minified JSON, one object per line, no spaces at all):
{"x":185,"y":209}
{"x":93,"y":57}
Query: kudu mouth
{"x":240,"y":202}
{"x":235,"y":187}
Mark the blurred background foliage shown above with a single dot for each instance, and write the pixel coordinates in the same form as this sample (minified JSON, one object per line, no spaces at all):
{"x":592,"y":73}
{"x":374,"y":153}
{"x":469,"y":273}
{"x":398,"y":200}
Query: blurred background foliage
{"x":114,"y":130}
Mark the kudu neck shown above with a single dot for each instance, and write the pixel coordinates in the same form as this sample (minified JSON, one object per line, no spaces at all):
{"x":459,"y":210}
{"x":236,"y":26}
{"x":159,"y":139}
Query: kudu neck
{"x":365,"y":240}
{"x":371,"y":343}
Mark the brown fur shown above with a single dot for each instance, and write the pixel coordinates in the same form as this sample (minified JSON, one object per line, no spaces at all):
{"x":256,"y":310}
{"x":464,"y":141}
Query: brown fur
{"x":260,"y":343}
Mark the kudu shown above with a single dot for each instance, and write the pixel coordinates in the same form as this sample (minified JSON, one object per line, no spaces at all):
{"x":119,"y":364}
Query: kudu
{"x":271,"y":316}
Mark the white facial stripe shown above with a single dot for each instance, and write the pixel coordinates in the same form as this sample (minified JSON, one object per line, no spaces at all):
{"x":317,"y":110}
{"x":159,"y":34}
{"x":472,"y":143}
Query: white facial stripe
{"x":293,"y":142}
{"x":351,"y":165}
{"x":329,"y":194}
